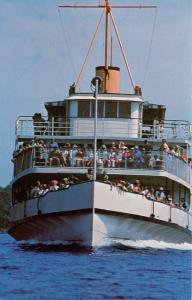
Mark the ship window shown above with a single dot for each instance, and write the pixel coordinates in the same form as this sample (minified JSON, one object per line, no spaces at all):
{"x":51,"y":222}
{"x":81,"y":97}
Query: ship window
{"x":124,"y":110}
{"x":100,"y":109}
{"x":83,"y":109}
{"x":111,"y":109}
{"x":92,"y":108}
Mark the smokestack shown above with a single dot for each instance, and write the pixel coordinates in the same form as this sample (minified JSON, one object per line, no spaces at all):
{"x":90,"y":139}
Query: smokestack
{"x":112,"y":76}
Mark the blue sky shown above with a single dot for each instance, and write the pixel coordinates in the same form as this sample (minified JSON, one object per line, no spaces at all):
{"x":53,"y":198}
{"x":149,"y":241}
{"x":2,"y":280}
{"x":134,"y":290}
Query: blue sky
{"x":42,"y":51}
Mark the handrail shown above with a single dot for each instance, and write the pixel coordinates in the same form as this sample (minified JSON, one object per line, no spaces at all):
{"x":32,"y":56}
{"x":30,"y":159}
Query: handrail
{"x":133,"y":127}
{"x":149,"y":160}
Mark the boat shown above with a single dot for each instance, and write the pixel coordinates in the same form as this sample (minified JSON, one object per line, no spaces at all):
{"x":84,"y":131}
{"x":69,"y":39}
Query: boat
{"x":102,"y":165}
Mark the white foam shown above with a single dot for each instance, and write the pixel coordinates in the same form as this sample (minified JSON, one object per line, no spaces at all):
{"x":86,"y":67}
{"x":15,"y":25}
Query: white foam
{"x":137,"y":244}
{"x":152,"y":244}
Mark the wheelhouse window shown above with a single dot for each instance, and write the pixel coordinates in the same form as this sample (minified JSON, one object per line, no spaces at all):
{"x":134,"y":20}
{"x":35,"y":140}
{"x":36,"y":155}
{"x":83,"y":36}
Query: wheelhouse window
{"x":100,"y":109}
{"x":111,"y":109}
{"x":83,"y":109}
{"x":124,"y":110}
{"x":106,"y":109}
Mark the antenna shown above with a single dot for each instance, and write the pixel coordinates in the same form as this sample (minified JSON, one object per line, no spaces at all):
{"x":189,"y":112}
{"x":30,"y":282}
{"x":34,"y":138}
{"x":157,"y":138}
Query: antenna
{"x":111,"y":56}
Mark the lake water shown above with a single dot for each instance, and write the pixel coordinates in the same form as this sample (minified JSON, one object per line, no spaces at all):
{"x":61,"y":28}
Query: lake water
{"x":47,"y":271}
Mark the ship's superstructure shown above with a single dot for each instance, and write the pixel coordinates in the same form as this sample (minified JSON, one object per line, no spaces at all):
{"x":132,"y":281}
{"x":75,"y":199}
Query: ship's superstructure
{"x":143,"y":168}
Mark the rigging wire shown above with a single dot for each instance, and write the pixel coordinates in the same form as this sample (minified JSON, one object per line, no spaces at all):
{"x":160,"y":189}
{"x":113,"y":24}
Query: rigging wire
{"x":150,"y":49}
{"x":90,"y":49}
{"x":67,"y":44}
{"x":122,"y":51}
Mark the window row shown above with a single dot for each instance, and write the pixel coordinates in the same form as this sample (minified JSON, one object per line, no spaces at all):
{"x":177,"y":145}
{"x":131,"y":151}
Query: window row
{"x":106,"y":109}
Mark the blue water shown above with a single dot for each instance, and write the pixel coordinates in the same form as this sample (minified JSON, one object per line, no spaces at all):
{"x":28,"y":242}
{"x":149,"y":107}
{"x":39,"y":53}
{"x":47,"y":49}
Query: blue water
{"x":37,"y":271}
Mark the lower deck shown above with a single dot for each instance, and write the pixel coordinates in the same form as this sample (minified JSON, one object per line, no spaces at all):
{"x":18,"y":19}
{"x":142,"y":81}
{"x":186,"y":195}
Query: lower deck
{"x":93,"y":212}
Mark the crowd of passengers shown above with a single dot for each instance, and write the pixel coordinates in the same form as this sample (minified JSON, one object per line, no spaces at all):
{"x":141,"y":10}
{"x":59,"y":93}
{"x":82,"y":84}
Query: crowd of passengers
{"x":156,"y":194}
{"x":111,"y":156}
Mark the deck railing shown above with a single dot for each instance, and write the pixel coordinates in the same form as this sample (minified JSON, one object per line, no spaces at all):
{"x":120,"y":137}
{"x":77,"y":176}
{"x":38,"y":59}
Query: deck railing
{"x":153,"y":160}
{"x":123,"y":128}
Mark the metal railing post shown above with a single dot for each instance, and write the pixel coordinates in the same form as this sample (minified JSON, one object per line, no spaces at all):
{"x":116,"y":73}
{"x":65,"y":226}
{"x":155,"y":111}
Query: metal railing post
{"x":52,"y":126}
{"x":95,"y":131}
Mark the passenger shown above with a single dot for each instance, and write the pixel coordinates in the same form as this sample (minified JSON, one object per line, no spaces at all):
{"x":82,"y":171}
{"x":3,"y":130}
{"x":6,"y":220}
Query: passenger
{"x":122,"y":146}
{"x":41,"y":190}
{"x":152,"y":193}
{"x":129,"y":186}
{"x":106,"y":179}
{"x":147,"y":148}
{"x":137,"y":187}
{"x":91,"y":157}
{"x":160,"y":195}
{"x":74,"y":179}
{"x":123,"y":185}
{"x":164,"y":146}
{"x":53,"y":144}
{"x":112,"y":157}
{"x":183,"y":155}
{"x":44,"y":155}
{"x":64,"y":183}
{"x":113,"y":145}
{"x":145,"y":192}
{"x":103,"y":156}
{"x":54,"y":185}
{"x":72,"y":155}
{"x":79,"y":158}
{"x":154,"y":162}
{"x":55,"y":158}
{"x":35,"y":190}
{"x":172,"y":150}
{"x":130,"y":159}
{"x":45,"y":189}
{"x":39,"y":124}
{"x":86,"y":162}
{"x":89,"y":176}
{"x":184,"y":205}
{"x":170,"y":199}
{"x":119,"y":158}
{"x":38,"y":148}
{"x":138,"y":157}
{"x":65,"y":154}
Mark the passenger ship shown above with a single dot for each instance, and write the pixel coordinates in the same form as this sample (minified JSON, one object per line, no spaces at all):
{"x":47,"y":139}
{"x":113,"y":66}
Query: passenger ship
{"x":93,"y":208}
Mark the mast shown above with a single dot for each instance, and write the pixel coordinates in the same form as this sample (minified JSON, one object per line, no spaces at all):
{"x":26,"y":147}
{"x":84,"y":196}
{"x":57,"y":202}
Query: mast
{"x":107,"y":11}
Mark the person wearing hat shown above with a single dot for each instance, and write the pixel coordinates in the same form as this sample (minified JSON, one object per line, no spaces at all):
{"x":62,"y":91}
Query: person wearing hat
{"x":54,"y":185}
{"x":160,"y":195}
{"x":64,"y":183}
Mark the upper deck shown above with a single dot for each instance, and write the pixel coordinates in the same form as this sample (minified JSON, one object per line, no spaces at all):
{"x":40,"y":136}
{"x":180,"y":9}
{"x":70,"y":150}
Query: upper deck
{"x":119,"y":116}
{"x":107,"y":128}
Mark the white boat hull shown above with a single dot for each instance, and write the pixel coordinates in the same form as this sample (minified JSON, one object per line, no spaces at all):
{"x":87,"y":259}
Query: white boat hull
{"x":92,"y":214}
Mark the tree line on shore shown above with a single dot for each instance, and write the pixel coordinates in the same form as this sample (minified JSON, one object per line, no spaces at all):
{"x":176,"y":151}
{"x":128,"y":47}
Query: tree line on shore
{"x":5,"y":202}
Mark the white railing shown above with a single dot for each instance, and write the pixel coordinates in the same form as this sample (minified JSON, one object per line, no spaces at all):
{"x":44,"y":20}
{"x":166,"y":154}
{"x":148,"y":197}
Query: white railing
{"x":35,"y":157}
{"x":123,"y":128}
